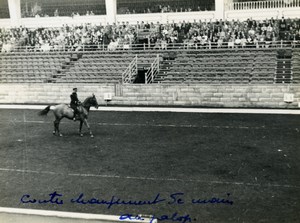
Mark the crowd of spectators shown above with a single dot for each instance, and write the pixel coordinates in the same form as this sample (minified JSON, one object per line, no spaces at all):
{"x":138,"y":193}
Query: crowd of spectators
{"x":196,"y":34}
{"x":158,"y":8}
{"x":50,"y":8}
{"x":163,"y":6}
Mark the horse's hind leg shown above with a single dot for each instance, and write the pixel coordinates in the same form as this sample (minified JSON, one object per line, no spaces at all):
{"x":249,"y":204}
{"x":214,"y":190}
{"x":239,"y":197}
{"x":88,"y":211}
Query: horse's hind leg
{"x":54,"y":131}
{"x":80,"y":128}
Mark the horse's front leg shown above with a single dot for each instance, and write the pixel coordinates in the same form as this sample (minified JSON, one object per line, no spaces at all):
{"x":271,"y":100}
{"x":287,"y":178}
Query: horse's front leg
{"x":80,"y":128}
{"x":56,"y":127}
{"x":88,"y":126}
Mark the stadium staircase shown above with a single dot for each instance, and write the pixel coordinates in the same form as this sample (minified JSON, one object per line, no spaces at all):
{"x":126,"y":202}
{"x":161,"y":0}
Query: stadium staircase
{"x":284,"y":66}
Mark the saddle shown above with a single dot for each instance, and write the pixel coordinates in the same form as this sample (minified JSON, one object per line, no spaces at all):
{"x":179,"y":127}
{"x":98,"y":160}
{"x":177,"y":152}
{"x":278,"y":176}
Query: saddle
{"x":80,"y":111}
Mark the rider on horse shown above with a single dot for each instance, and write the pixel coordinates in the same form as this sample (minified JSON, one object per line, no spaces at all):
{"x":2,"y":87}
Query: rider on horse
{"x":74,"y":103}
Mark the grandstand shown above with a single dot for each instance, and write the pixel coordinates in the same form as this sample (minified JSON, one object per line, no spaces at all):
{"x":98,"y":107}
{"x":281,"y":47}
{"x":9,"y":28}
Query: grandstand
{"x":50,"y":43}
{"x":149,"y":53}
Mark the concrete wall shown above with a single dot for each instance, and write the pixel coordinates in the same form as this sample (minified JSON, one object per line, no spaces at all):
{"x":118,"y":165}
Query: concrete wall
{"x":264,"y":96}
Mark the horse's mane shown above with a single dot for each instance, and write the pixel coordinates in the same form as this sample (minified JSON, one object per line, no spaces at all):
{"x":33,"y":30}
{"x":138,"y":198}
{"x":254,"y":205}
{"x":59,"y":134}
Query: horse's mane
{"x":86,"y":104}
{"x":86,"y":100}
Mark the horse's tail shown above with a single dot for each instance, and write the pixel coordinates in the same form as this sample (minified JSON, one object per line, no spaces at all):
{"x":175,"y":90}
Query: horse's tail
{"x":45,"y":111}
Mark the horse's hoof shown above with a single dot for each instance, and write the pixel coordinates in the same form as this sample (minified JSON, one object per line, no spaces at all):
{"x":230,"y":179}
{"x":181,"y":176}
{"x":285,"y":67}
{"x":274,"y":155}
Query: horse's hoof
{"x":53,"y":132}
{"x":92,"y":136}
{"x":60,"y":135}
{"x":81,"y":135}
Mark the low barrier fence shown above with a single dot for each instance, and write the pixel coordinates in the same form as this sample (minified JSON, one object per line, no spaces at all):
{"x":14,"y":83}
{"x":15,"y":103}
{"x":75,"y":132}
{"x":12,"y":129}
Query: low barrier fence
{"x":164,"y":46}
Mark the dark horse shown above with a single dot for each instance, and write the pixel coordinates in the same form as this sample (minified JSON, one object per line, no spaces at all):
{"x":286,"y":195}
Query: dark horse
{"x":64,"y":111}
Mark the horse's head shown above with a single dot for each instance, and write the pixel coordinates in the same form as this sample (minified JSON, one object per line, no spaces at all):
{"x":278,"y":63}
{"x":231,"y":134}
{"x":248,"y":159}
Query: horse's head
{"x":93,"y":101}
{"x":90,"y":102}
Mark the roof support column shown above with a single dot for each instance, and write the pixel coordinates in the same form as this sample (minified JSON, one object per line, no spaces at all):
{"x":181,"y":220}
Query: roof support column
{"x":14,"y":7}
{"x":111,"y":11}
{"x":219,"y":8}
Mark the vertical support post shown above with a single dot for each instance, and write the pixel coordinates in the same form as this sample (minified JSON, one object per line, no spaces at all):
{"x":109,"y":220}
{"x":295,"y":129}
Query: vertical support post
{"x":219,"y":9}
{"x":14,"y":7}
{"x":111,"y":11}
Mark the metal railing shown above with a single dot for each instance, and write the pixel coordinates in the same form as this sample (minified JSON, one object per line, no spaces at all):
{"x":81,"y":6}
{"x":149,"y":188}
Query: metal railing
{"x":131,"y":72}
{"x":153,"y":71}
{"x":264,"y":4}
{"x":153,"y":47}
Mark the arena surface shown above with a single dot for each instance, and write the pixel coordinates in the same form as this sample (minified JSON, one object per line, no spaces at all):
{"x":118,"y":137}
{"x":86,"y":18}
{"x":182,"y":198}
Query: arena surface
{"x":251,"y":160}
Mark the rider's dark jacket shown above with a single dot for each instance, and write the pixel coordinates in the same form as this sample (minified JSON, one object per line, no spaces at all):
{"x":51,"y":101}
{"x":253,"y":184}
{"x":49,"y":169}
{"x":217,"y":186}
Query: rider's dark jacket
{"x":74,"y":100}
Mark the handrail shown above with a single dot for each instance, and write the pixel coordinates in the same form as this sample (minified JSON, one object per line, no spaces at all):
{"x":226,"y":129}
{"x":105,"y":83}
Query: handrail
{"x":153,"y":71}
{"x":171,"y":46}
{"x":264,"y":4}
{"x":131,"y":72}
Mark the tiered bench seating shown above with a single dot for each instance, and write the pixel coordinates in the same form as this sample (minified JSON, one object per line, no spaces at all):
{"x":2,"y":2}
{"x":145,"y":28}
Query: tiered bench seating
{"x":29,"y":67}
{"x":222,"y":66}
{"x":232,"y":66}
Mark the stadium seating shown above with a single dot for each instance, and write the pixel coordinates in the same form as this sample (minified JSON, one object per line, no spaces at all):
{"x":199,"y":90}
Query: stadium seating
{"x":30,"y":67}
{"x":218,"y":66}
{"x":222,"y":66}
{"x":102,"y":67}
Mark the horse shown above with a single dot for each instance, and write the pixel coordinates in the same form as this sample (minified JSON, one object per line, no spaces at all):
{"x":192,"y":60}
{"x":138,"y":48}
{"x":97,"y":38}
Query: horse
{"x":64,"y":111}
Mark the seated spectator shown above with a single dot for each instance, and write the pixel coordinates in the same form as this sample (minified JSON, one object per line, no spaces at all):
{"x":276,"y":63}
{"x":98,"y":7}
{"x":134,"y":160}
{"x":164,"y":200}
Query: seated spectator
{"x":164,"y":44}
{"x":6,"y":47}
{"x":56,"y":13}
{"x":126,"y":45}
{"x":157,"y":44}
{"x":45,"y":47}
{"x":237,"y":42}
{"x":204,"y":40}
{"x":261,"y":39}
{"x":220,"y":42}
{"x":231,"y":43}
{"x":113,"y":45}
{"x":256,"y":42}
{"x":190,"y":44}
{"x":243,"y":41}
